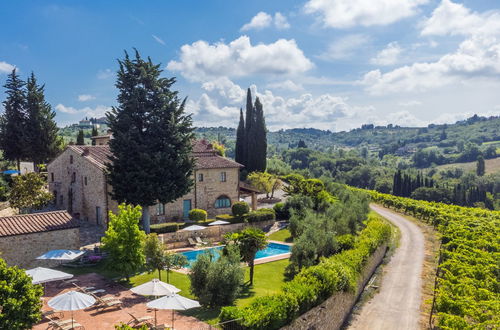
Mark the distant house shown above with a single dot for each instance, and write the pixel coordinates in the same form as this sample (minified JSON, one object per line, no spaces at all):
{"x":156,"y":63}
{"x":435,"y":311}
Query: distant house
{"x":85,"y":124}
{"x":406,"y":150}
{"x":77,"y":179}
{"x":25,"y":237}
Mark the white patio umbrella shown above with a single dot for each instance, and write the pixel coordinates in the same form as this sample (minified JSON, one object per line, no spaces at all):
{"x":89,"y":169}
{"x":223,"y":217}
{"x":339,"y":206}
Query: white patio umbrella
{"x":71,"y":301}
{"x":64,"y":255}
{"x":156,"y":288}
{"x":173,"y":302}
{"x":219,"y":223}
{"x":43,"y":275}
{"x":194,"y":227}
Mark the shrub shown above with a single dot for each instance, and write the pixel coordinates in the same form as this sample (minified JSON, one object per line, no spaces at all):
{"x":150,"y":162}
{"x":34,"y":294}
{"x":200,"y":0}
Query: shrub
{"x":280,"y":211}
{"x":240,"y":208}
{"x":197,"y":215}
{"x":162,"y":228}
{"x":260,"y":215}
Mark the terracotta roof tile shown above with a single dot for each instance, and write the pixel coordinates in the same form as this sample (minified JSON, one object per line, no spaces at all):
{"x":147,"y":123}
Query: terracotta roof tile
{"x":205,"y":156}
{"x":36,"y":223}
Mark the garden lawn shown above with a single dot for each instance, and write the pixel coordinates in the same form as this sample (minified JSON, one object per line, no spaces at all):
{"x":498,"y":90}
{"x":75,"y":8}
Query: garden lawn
{"x":282,"y":235}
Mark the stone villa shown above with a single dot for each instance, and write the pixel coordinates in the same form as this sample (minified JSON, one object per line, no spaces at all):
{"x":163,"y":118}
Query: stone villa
{"x":78,"y":181}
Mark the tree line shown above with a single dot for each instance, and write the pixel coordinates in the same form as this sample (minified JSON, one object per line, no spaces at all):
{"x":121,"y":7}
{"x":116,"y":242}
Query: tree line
{"x":28,"y":130}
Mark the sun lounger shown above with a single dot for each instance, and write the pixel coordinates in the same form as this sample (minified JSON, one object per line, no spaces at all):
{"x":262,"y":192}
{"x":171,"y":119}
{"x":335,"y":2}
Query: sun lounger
{"x":139,"y":321}
{"x":66,"y":325}
{"x":108,"y":302}
{"x":51,"y":315}
{"x":199,"y":241}
{"x":191,"y":242}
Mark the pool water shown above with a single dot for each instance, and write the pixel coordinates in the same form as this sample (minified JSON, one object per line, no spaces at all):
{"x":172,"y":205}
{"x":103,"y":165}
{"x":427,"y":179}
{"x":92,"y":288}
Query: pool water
{"x":272,"y":249}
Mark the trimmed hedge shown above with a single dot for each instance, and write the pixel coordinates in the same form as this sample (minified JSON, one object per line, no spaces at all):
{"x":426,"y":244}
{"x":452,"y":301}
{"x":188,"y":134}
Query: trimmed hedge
{"x":162,"y":228}
{"x":260,"y":215}
{"x":240,"y":208}
{"x":280,"y":211}
{"x":197,"y":215}
{"x":312,"y":285}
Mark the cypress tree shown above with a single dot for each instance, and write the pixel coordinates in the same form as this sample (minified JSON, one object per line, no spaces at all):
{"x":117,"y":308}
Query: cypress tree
{"x":151,"y":148}
{"x":240,"y":141}
{"x":43,"y":141}
{"x":480,"y":166}
{"x":250,"y":164}
{"x":94,"y":133}
{"x":80,"y":138}
{"x":260,"y":137}
{"x":13,"y":140}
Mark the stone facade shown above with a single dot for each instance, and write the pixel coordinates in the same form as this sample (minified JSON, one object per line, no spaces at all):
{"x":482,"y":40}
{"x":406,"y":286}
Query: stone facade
{"x":77,"y":180}
{"x":21,"y":250}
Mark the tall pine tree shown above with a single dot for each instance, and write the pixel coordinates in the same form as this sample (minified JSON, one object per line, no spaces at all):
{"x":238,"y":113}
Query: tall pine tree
{"x":94,"y":133}
{"x":240,"y":141}
{"x":43,"y":141}
{"x":13,"y":139}
{"x":249,"y":134}
{"x":152,"y":138}
{"x":260,"y":137}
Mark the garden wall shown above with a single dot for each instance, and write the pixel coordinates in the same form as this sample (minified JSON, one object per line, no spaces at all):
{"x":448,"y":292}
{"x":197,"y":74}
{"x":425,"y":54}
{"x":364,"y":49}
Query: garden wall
{"x":179,"y":239}
{"x":333,"y":312}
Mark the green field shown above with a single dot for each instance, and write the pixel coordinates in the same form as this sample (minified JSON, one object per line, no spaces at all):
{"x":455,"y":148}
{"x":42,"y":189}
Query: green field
{"x":492,"y":166}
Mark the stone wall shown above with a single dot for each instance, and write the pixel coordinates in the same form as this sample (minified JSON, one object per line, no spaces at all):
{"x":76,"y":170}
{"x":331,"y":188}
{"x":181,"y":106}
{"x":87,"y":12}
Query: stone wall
{"x":333,"y":312}
{"x":179,"y":239}
{"x":21,"y":250}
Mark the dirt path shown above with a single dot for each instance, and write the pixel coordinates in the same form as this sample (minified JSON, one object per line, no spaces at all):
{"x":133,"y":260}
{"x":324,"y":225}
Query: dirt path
{"x":397,"y":304}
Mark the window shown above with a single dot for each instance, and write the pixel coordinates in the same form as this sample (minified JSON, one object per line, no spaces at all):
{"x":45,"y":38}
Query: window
{"x":222,"y":202}
{"x":52,"y":176}
{"x":222,"y":176}
{"x":85,"y":179}
{"x":73,"y":177}
{"x":160,"y":209}
{"x":200,"y":177}
{"x":98,"y":215}
{"x":61,"y":199}
{"x":71,"y":159}
{"x":55,"y":197}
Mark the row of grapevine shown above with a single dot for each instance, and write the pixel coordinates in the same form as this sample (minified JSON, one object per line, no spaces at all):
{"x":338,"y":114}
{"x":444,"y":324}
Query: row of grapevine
{"x":467,"y":295}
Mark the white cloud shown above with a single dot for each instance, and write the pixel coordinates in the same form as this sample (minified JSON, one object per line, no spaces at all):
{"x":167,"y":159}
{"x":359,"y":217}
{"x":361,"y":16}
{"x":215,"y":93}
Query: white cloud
{"x":389,"y":55}
{"x":85,"y":97}
{"x":158,"y":39}
{"x":350,"y":13}
{"x":98,"y":111}
{"x":280,"y":21}
{"x":218,"y":106}
{"x":411,"y":103}
{"x":344,"y":47}
{"x":202,"y":61}
{"x":476,"y":57}
{"x":259,"y":21}
{"x":451,"y":18}
{"x":105,"y":74}
{"x":6,"y":67}
{"x":263,"y":20}
{"x":287,"y":85}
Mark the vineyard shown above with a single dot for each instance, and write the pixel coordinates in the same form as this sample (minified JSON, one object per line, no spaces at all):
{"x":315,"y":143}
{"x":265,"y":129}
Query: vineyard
{"x":467,"y":294}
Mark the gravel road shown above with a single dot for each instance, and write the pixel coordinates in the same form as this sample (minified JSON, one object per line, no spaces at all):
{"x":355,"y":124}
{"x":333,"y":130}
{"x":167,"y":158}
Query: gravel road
{"x":397,"y":304}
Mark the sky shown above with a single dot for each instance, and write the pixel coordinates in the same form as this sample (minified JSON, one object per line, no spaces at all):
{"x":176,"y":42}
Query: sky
{"x":328,"y":64}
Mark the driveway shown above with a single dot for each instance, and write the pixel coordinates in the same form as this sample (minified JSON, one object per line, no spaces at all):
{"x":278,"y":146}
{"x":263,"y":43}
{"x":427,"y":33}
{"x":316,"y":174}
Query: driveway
{"x":397,"y":304}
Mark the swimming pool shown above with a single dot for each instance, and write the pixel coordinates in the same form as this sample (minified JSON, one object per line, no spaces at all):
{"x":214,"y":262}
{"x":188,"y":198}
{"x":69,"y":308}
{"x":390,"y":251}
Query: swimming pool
{"x":272,"y":249}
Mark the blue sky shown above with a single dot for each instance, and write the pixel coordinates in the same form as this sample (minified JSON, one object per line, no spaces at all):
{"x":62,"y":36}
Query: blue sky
{"x":330,"y":64}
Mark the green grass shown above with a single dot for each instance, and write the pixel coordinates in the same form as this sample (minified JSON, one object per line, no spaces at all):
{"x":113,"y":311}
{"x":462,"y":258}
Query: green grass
{"x":282,"y":235}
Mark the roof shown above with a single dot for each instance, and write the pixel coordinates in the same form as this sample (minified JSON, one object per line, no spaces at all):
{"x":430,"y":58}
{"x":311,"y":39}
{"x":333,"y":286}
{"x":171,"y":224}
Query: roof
{"x":205,"y":157}
{"x":36,"y":223}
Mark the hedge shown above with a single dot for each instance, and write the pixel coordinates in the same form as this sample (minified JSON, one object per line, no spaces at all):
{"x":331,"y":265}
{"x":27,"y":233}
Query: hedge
{"x":260,"y":215}
{"x":240,"y":208}
{"x":312,"y":285}
{"x":169,"y":227}
{"x":197,"y":215}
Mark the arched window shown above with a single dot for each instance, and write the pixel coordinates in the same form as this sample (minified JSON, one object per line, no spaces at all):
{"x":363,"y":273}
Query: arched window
{"x":222,"y":202}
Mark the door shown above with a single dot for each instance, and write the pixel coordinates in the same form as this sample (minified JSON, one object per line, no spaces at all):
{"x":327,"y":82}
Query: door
{"x":98,"y":215}
{"x":186,"y":208}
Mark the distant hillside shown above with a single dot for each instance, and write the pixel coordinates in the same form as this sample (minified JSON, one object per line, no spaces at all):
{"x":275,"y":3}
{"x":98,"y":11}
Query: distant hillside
{"x":492,"y":166}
